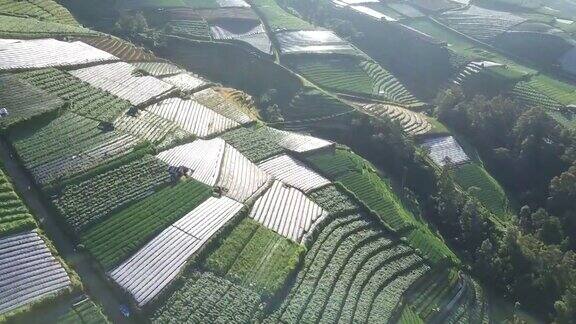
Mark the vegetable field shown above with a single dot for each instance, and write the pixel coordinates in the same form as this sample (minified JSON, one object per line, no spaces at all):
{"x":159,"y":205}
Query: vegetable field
{"x":158,"y":69}
{"x":293,"y":172}
{"x":29,"y":271}
{"x":312,"y":103}
{"x":44,"y":10}
{"x":83,"y":312}
{"x":24,"y":101}
{"x":255,"y":257}
{"x":147,"y":126}
{"x":185,"y":81}
{"x":120,"y":48}
{"x":222,"y":103}
{"x":16,"y":27}
{"x":352,"y":272}
{"x":41,"y":53}
{"x":276,"y":18}
{"x":154,"y":266}
{"x":412,"y":123}
{"x":255,"y":142}
{"x":387,"y":86}
{"x":333,"y":200}
{"x":124,"y":232}
{"x":287,"y":211}
{"x":445,"y":150}
{"x":557,"y":90}
{"x":189,"y":28}
{"x":481,"y":185}
{"x":87,"y":202}
{"x":192,"y":117}
{"x":84,"y":99}
{"x":313,"y":41}
{"x":530,"y":96}
{"x":120,"y":80}
{"x":14,"y":215}
{"x":204,"y":297}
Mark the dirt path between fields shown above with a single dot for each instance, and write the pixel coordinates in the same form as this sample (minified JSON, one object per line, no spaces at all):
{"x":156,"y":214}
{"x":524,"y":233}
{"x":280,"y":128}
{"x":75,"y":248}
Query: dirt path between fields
{"x":94,"y":284}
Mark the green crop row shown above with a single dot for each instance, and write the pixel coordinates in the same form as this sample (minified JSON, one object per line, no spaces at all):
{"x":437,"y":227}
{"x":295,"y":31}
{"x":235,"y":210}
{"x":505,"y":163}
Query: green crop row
{"x":277,"y":18}
{"x":124,"y":232}
{"x":85,"y":203}
{"x":206,"y":298}
{"x":255,"y":142}
{"x":255,"y":257}
{"x":334,"y":201}
{"x":17,"y":27}
{"x":85,"y":312}
{"x":84,"y":99}
{"x":14,"y":215}
{"x":45,"y":10}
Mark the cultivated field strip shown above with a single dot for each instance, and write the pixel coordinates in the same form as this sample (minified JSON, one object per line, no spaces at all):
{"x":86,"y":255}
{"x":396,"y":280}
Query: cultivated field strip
{"x":482,"y":24}
{"x":293,"y":172}
{"x":40,"y":53}
{"x":444,"y":150}
{"x":120,"y":80}
{"x":45,"y":10}
{"x":147,"y":126}
{"x":312,"y":41}
{"x":24,"y":101}
{"x":16,"y":27}
{"x":154,"y":266}
{"x":256,"y":37}
{"x":122,"y":49}
{"x":202,"y":158}
{"x":299,"y":143}
{"x":239,"y":178}
{"x":186,"y":81}
{"x":14,"y":215}
{"x":287,"y":211}
{"x":28,"y":271}
{"x":354,"y":272}
{"x":192,"y":116}
{"x":84,"y":99}
{"x":223,"y":104}
{"x":255,"y":142}
{"x":85,"y":160}
{"x":412,"y":123}
{"x":88,"y":201}
{"x":158,"y":69}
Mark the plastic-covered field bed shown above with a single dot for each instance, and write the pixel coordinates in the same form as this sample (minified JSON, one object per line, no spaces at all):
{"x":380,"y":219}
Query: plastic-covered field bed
{"x":287,"y":211}
{"x":444,"y":150}
{"x":293,"y":172}
{"x":158,"y":69}
{"x":28,"y":271}
{"x":120,"y":80}
{"x":120,"y":48}
{"x":40,"y":53}
{"x":255,"y":36}
{"x":155,"y":265}
{"x":313,"y":41}
{"x":186,"y":81}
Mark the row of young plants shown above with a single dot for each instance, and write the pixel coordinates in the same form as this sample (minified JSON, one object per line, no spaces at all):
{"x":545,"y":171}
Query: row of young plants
{"x":84,"y":312}
{"x":83,"y":98}
{"x":14,"y":215}
{"x":86,"y":202}
{"x":122,"y":233}
{"x":255,"y":257}
{"x":256,"y":143}
{"x":45,"y":10}
{"x":18,"y":27}
{"x":202,"y":297}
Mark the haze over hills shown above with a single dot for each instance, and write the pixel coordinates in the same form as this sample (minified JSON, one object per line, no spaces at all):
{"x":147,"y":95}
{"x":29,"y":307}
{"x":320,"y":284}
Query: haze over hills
{"x":283,"y":161}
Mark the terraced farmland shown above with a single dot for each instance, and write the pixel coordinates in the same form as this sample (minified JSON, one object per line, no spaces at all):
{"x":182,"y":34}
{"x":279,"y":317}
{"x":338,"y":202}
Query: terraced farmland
{"x":255,"y":257}
{"x":158,"y":69}
{"x":412,"y":123}
{"x":41,"y":53}
{"x":29,"y":271}
{"x":293,"y":172}
{"x":67,"y":145}
{"x":481,"y":185}
{"x":83,"y":312}
{"x":192,"y":117}
{"x":189,"y":28}
{"x":120,"y":80}
{"x":154,"y":266}
{"x":482,"y":24}
{"x":185,"y":82}
{"x":23,"y":101}
{"x":14,"y":215}
{"x":205,"y":297}
{"x":287,"y":211}
{"x":88,"y":201}
{"x":445,"y":150}
{"x":44,"y":10}
{"x":311,"y":103}
{"x":147,"y":126}
{"x":333,"y":200}
{"x":333,"y":73}
{"x":84,"y":99}
{"x":221,"y":100}
{"x":276,"y":18}
{"x":530,"y":96}
{"x":122,"y":49}
{"x":123,"y":233}
{"x":256,"y":142}
{"x":16,"y":27}
{"x":353,"y":272}
{"x":313,"y":42}
{"x":557,"y":90}
{"x":255,"y":36}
